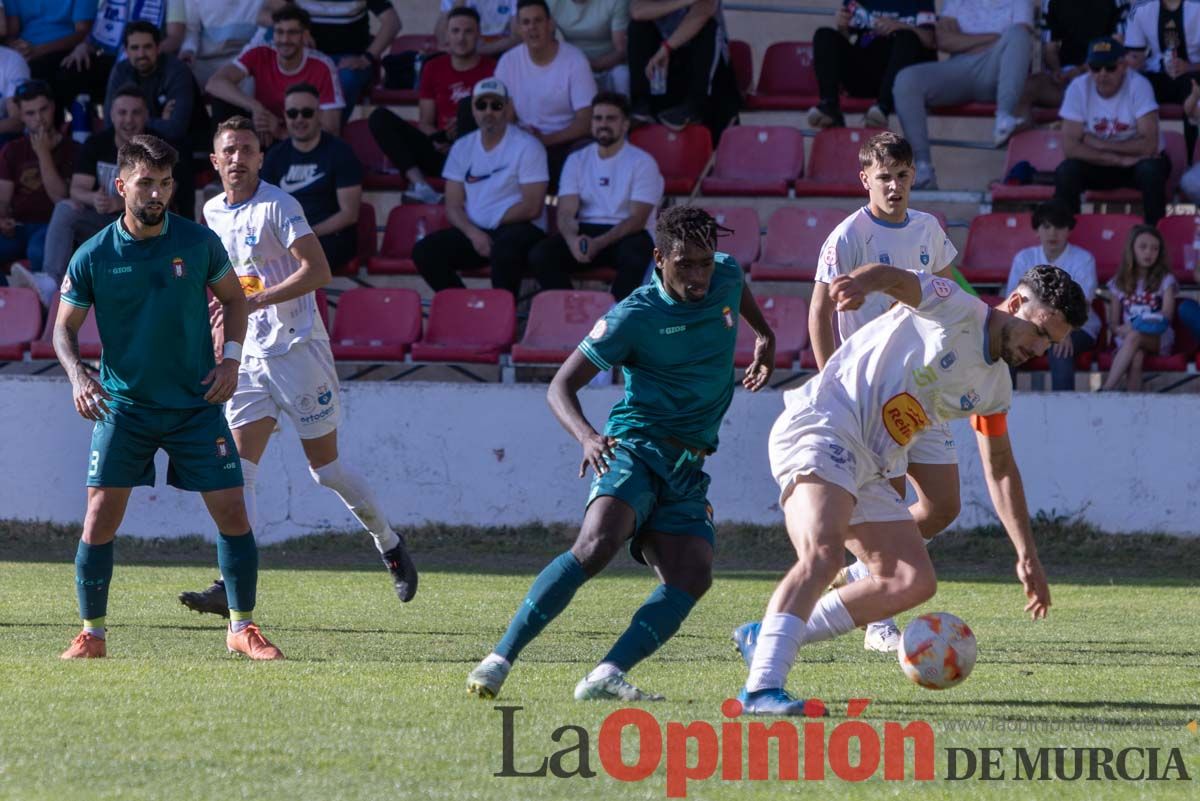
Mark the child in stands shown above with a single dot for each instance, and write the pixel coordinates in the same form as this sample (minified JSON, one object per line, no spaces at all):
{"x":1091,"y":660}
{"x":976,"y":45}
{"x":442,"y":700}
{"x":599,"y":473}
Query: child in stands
{"x":1141,"y":307}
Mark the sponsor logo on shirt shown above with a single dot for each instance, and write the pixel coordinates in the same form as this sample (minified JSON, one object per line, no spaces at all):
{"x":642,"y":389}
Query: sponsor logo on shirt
{"x":299,"y":176}
{"x":942,"y":288}
{"x":904,"y":418}
{"x":969,"y":401}
{"x":948,"y":359}
{"x":122,"y":270}
{"x":672,"y":329}
{"x":840,"y":455}
{"x":251,"y":284}
{"x":924,"y":256}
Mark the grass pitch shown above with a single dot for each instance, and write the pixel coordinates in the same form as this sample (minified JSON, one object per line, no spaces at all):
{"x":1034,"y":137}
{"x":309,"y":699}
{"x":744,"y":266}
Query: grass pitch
{"x":371,"y":702}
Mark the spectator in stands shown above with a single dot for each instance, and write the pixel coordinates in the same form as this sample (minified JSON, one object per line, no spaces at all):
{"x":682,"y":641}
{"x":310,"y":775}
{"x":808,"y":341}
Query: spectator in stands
{"x":14,"y":71}
{"x":321,"y":171}
{"x":1141,"y":307}
{"x":275,"y":67}
{"x":444,"y":108}
{"x":176,"y":107}
{"x":44,"y":32}
{"x":88,"y":67}
{"x":495,"y":193}
{"x":1069,"y":26}
{"x":551,"y":85}
{"x":1110,"y":132}
{"x":599,"y":28}
{"x":33,"y":177}
{"x":863,"y":53}
{"x":606,"y":201}
{"x":1053,"y":222}
{"x":93,"y":201}
{"x":687,"y":42}
{"x":496,"y":24}
{"x":1190,"y":183}
{"x":989,"y":42}
{"x":216,"y":32}
{"x":1163,"y":41}
{"x":341,"y":30}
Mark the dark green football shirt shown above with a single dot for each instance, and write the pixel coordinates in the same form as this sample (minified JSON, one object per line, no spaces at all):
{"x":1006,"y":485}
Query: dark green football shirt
{"x":676,"y":357}
{"x":151,"y":305}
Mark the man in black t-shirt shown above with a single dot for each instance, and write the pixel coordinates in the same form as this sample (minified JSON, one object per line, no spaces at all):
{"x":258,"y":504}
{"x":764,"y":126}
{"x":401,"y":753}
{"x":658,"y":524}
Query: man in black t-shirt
{"x":1068,"y":27}
{"x":320,"y":171}
{"x":341,"y":30}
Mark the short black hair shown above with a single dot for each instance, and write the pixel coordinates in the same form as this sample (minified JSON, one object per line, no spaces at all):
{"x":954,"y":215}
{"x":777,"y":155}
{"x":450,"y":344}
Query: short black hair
{"x":1054,"y":212}
{"x":612,"y":99}
{"x":149,"y":150}
{"x":464,"y":11}
{"x":680,"y":224}
{"x":130,"y":90}
{"x":141,"y":26}
{"x":32,"y":90}
{"x":539,"y":3}
{"x":293,"y":12}
{"x":303,"y":86}
{"x":1055,"y":288}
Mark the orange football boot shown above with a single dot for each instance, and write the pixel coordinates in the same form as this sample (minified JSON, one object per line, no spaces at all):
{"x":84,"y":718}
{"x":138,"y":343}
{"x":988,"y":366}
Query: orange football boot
{"x":85,"y":646}
{"x":251,"y":642}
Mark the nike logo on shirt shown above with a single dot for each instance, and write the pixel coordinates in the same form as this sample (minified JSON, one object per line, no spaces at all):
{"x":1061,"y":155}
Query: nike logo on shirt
{"x":299,"y":176}
{"x":474,"y":179}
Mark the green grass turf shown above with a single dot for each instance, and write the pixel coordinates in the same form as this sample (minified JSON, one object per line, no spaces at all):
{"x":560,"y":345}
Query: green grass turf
{"x":371,"y":702}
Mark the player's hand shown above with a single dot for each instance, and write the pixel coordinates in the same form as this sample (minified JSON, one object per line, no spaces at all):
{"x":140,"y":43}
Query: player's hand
{"x":573,"y":244}
{"x":1064,"y":349}
{"x":1033,"y":579}
{"x":885,"y":26}
{"x":91,"y":401}
{"x":760,"y":369}
{"x":597,"y":450}
{"x":168,"y":109}
{"x":187,"y":56}
{"x":353,"y":63}
{"x":846,"y":293}
{"x":482,"y":243}
{"x":80,"y":58}
{"x":216,"y":320}
{"x":42,"y":141}
{"x":223,"y":379}
{"x":660,"y":60}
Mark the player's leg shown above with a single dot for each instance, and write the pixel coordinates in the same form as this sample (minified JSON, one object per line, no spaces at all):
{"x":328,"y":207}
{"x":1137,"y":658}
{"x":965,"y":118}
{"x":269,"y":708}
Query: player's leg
{"x":94,"y":568}
{"x":901,"y":572}
{"x":1129,"y":348}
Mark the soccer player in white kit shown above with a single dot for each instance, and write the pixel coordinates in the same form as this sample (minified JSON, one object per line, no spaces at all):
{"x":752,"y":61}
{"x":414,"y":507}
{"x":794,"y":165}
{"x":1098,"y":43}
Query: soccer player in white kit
{"x":287,"y":367}
{"x":941,"y":355}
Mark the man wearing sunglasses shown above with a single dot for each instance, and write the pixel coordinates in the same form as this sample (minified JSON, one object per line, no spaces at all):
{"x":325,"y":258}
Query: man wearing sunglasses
{"x":319,"y":170}
{"x":1111,"y":137}
{"x":496,"y":181}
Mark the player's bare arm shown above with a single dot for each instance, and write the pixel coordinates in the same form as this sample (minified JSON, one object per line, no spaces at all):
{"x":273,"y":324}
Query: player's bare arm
{"x":563,"y":397}
{"x":91,"y":401}
{"x":821,"y":314}
{"x":313,"y":274}
{"x":763,"y":364}
{"x":222,"y":379}
{"x":849,"y":291}
{"x":1008,"y":496}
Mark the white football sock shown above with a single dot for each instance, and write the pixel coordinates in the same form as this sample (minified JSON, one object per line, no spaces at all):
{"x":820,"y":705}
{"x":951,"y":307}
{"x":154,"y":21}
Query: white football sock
{"x":250,"y":492}
{"x":829,"y":619}
{"x":356,"y":494}
{"x":778,"y":641}
{"x":857,"y":571}
{"x":497,"y":659}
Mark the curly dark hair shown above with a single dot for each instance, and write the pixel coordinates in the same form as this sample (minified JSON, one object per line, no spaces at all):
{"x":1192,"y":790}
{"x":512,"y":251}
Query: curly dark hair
{"x":1056,"y":288}
{"x":680,"y":224}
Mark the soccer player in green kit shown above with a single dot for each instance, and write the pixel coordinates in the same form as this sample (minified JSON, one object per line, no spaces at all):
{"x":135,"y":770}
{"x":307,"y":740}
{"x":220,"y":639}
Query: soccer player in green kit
{"x":674,"y":339}
{"x":147,"y":275}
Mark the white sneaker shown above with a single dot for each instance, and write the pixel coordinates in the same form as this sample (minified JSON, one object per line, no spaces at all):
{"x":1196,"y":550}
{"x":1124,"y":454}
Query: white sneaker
{"x":613,"y":687}
{"x":46,"y":287}
{"x":875,"y":118}
{"x":423,"y":193}
{"x":818,"y":118}
{"x":1006,"y":126}
{"x":926,"y":177}
{"x":22,"y":277}
{"x":883,"y":637}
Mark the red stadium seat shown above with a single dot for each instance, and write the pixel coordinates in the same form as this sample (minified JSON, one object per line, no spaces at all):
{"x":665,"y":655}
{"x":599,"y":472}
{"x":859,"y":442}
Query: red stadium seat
{"x":1180,"y":232}
{"x":793,"y":243}
{"x":787,"y":79}
{"x":378,"y":171}
{"x":405,"y":226}
{"x":1103,"y":235}
{"x":1040,"y":147}
{"x":833,"y":164}
{"x":367,"y":237}
{"x":89,"y":337}
{"x":743,"y":243}
{"x":1176,"y":152}
{"x":20,"y":321}
{"x":376,"y":324}
{"x":756,"y":160}
{"x":468,"y":325}
{"x":992,"y":242}
{"x":788,"y":317}
{"x":422,"y":43}
{"x":743,"y":64}
{"x":559,"y":319}
{"x":681,"y":155}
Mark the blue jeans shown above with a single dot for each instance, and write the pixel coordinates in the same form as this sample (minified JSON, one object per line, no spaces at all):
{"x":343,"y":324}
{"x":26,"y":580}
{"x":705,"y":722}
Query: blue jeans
{"x":1062,"y":369}
{"x":354,"y":81}
{"x":27,"y":242}
{"x":1188,"y":312}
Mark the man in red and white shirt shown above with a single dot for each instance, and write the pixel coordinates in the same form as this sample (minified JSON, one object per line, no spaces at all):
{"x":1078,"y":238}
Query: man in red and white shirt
{"x":275,"y":67}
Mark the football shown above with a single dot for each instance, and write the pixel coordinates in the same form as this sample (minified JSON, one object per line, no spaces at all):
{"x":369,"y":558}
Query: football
{"x":937,"y":650}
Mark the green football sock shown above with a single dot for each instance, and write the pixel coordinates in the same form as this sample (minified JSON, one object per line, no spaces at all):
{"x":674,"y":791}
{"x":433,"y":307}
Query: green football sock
{"x":655,"y":622}
{"x":93,"y":573}
{"x":238,"y":560}
{"x":552,"y":590}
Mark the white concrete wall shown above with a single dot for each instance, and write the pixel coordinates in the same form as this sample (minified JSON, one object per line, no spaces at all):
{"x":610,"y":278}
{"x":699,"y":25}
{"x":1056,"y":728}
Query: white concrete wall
{"x":493,"y":454}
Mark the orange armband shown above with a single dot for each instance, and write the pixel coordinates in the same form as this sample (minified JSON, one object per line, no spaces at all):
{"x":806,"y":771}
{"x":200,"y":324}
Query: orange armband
{"x":990,"y":425}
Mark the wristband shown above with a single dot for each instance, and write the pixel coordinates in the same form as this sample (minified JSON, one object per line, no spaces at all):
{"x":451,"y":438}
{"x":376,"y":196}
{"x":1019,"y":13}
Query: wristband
{"x":667,"y":46}
{"x":232,"y":350}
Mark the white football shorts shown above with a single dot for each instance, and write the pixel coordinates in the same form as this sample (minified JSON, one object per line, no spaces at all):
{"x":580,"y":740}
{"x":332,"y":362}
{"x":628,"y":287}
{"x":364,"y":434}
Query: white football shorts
{"x":301,"y":383}
{"x":934,"y":445}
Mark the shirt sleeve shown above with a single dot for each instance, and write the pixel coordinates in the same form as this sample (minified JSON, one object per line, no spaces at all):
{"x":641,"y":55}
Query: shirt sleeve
{"x":218,"y":259}
{"x":944,"y":252}
{"x":1022,"y":12}
{"x":837,"y":257}
{"x":611,"y":340}
{"x":568,"y":181}
{"x":1073,"y":106}
{"x":329,"y":87}
{"x":648,"y":183}
{"x":85,"y":164}
{"x":620,"y":16}
{"x":250,"y":59}
{"x":455,"y":168}
{"x":505,"y":69}
{"x":1018,"y":270}
{"x":176,"y":12}
{"x":1135,"y":35}
{"x":346,"y":169}
{"x":1143,"y":96}
{"x":926,"y":14}
{"x":288,"y":218}
{"x":77,"y":284}
{"x":944,"y":301}
{"x":583,"y":83}
{"x":84,"y":11}
{"x":532,"y":168}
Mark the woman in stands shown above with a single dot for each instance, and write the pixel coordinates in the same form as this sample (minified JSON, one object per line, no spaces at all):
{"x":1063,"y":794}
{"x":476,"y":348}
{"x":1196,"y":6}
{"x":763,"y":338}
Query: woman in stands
{"x":1141,"y":306}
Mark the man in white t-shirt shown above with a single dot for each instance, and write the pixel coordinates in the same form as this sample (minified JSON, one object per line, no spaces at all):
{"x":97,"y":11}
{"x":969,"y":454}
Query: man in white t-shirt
{"x":938,"y":356}
{"x":551,"y":85}
{"x":14,"y":71}
{"x":287,"y":366}
{"x":1053,"y":222}
{"x":606,"y":201}
{"x":1111,"y":137}
{"x":990,"y":43}
{"x":495,"y":197}
{"x":1163,"y":43}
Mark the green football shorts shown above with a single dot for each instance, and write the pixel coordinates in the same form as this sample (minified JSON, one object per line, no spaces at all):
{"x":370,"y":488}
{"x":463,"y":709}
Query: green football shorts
{"x":665,"y":486}
{"x":201,"y":450}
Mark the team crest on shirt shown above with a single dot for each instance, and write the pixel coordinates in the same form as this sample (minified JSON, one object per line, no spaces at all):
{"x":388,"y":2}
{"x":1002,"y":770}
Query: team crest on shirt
{"x":66,"y":285}
{"x":727,"y":316}
{"x":177,"y":267}
{"x":305,"y":404}
{"x":222,"y":448}
{"x":904,"y":417}
{"x":969,"y":401}
{"x":884,"y":258}
{"x":251,"y":237}
{"x":924,"y":256}
{"x":599,"y":329}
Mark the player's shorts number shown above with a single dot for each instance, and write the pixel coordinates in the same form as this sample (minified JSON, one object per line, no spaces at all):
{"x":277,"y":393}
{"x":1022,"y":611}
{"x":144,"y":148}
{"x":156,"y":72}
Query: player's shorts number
{"x":94,"y":463}
{"x":625,"y":474}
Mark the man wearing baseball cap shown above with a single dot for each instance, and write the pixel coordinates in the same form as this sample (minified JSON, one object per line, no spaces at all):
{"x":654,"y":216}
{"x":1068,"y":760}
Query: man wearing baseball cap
{"x":1111,"y":137}
{"x":495,"y":199}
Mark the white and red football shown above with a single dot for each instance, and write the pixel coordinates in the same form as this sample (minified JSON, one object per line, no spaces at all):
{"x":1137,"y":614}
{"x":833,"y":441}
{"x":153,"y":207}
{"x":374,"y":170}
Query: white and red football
{"x":937,"y":650}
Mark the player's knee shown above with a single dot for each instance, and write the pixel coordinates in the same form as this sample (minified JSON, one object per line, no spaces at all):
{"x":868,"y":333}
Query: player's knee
{"x":594,"y":552}
{"x":942,"y":513}
{"x":915,"y":585}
